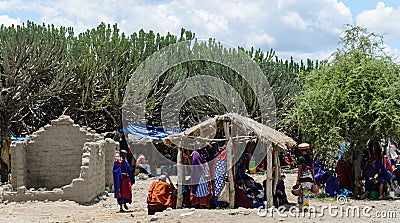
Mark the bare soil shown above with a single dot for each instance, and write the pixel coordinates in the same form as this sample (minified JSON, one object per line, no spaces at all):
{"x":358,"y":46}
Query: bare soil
{"x":107,"y":210}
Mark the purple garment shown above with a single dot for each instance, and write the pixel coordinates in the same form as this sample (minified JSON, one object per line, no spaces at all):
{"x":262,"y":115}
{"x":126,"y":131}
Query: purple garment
{"x":370,"y":171}
{"x":332,"y":186}
{"x":199,"y":159}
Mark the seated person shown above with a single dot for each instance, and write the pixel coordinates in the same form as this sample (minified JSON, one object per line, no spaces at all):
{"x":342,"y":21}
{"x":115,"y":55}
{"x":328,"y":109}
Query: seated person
{"x":281,"y":192}
{"x":387,"y":172}
{"x":373,"y":176}
{"x":241,"y":199}
{"x":143,"y":163}
{"x":332,"y":184}
{"x":282,"y":160}
{"x":254,"y":191}
{"x":396,"y":173}
{"x":160,"y":196}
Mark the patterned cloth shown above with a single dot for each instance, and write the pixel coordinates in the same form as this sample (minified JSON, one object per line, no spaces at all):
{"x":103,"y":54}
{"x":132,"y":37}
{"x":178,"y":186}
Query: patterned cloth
{"x":219,"y":176}
{"x":303,"y":200}
{"x":203,"y":188}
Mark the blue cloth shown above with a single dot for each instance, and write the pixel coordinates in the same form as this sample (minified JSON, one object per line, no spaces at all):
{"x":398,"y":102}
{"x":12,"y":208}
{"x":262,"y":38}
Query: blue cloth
{"x":219,"y":176}
{"x":259,"y":204}
{"x":332,"y":186}
{"x":370,"y":172}
{"x":345,"y":193}
{"x":118,"y":170}
{"x":320,"y":173}
{"x":240,"y":174}
{"x":152,"y":132}
{"x":343,"y":148}
{"x":200,"y":185}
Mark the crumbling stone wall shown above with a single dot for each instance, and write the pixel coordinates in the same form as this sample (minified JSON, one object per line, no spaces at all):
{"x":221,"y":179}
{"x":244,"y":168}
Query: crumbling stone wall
{"x":70,"y":162}
{"x":92,"y":178}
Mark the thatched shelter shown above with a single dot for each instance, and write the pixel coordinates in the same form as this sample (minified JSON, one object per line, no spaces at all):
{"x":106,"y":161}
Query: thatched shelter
{"x":235,"y":129}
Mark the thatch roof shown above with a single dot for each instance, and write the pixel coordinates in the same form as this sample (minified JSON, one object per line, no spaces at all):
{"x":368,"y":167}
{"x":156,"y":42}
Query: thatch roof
{"x":207,"y":129}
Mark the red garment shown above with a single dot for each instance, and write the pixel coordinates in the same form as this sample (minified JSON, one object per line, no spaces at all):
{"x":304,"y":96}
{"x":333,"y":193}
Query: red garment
{"x":343,"y":170}
{"x":287,"y":160}
{"x":126,"y":188}
{"x":206,"y":201}
{"x":241,"y":199}
{"x":290,"y":159}
{"x":388,"y":165}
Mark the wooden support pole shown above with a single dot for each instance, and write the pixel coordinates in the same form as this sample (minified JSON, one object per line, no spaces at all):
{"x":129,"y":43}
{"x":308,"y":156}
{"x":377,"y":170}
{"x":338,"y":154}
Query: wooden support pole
{"x":276,"y":167}
{"x":181,"y":176}
{"x":270,"y":198}
{"x":230,"y":166}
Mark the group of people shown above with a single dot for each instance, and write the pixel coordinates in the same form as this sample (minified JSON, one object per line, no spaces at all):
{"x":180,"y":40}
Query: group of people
{"x":209,"y":176}
{"x":207,"y":168}
{"x":378,"y":174}
{"x":378,"y":171}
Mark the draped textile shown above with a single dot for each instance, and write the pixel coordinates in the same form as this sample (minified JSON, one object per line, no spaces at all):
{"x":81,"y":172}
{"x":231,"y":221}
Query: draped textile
{"x":123,"y":180}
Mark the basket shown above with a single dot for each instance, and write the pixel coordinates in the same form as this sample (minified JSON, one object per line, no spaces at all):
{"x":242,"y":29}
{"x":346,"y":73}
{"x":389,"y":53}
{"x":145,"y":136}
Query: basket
{"x":297,"y":190}
{"x":314,"y":189}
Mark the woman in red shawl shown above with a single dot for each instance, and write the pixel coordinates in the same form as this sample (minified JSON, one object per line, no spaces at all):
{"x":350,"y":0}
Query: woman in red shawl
{"x":123,"y":180}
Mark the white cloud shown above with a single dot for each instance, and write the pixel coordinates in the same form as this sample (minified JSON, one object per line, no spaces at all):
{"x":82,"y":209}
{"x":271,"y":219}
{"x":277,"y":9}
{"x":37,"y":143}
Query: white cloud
{"x":394,"y":53}
{"x":294,"y":20}
{"x":383,"y":20}
{"x":7,"y":21}
{"x":260,"y":39}
{"x":301,"y":28}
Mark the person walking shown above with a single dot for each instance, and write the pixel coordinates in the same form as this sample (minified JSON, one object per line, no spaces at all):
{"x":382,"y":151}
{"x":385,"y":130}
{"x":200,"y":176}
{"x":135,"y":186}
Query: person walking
{"x":123,"y":181}
{"x":305,"y":176}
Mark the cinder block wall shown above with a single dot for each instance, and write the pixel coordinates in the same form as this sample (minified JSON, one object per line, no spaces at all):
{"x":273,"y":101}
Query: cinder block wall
{"x":18,"y":164}
{"x":91,"y":180}
{"x":62,"y":155}
{"x":110,"y":148}
{"x":54,"y":154}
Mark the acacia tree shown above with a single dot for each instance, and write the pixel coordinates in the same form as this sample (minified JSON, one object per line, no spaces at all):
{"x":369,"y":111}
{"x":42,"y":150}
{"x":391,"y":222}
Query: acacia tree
{"x":355,"y":96}
{"x":33,"y":66}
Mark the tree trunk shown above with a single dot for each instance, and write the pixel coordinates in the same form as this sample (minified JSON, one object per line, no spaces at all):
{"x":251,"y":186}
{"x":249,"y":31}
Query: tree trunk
{"x":5,"y":158}
{"x":357,"y":169}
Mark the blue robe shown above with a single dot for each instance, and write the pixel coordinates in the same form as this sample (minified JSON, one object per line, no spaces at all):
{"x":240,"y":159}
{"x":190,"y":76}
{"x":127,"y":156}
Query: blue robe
{"x":332,"y":186}
{"x":122,"y":187}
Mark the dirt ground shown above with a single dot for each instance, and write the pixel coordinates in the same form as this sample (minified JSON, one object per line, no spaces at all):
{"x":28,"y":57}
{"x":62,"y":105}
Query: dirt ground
{"x":106,"y":210}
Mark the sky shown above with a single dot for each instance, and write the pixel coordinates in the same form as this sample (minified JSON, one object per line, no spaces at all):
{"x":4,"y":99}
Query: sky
{"x":301,"y":29}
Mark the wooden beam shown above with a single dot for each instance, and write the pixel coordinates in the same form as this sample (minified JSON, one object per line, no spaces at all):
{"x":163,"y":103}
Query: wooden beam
{"x":269,"y":195}
{"x":229,"y":166}
{"x":180,"y":174}
{"x":276,"y":167}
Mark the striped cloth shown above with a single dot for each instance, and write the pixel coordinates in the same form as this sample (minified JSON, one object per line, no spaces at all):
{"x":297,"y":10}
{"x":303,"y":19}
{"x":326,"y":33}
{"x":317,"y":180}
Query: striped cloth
{"x":203,"y":188}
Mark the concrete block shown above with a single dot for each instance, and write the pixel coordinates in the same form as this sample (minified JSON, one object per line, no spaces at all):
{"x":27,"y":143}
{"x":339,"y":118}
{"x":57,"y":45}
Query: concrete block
{"x":21,"y":190}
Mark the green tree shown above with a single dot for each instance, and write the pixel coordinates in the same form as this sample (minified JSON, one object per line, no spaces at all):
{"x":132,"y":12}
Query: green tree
{"x":33,"y":66}
{"x":355,"y":96}
{"x":103,"y":62}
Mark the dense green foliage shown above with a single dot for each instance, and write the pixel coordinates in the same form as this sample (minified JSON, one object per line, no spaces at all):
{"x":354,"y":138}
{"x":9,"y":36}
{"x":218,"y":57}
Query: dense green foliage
{"x":48,"y":71}
{"x":353,"y":97}
{"x":34,"y":65}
